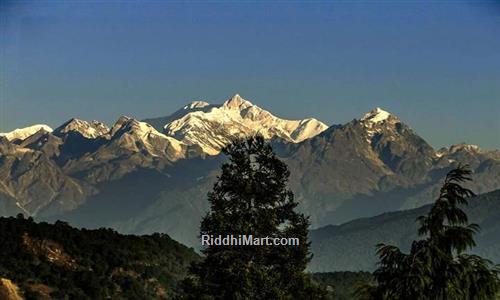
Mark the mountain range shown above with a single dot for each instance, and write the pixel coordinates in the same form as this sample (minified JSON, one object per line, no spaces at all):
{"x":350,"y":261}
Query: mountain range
{"x":153,"y":175}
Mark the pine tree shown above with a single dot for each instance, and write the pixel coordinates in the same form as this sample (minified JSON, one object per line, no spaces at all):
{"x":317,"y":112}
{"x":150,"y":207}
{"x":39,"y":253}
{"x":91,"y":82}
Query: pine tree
{"x":251,"y":198}
{"x":437,"y":267}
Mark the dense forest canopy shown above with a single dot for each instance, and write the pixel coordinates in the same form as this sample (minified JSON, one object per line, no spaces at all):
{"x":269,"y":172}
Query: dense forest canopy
{"x":59,"y":261}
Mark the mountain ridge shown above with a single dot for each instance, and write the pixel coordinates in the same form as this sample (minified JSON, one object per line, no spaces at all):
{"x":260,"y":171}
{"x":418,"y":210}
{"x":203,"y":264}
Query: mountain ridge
{"x":372,"y":164}
{"x":213,"y":126}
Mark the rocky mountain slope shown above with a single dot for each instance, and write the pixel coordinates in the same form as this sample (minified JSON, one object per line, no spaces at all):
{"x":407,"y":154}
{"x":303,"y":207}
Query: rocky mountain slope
{"x":142,"y":177}
{"x":30,"y":181}
{"x":351,"y":246}
{"x":377,"y":163}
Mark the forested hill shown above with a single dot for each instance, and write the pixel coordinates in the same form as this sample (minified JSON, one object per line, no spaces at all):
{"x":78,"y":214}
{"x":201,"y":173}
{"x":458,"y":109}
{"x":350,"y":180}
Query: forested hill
{"x":54,"y":261}
{"x":351,"y":246}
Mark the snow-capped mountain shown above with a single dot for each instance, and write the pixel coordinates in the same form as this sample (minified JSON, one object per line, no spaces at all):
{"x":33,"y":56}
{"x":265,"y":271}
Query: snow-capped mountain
{"x":205,"y":126}
{"x":396,"y":144}
{"x":131,"y":145}
{"x":23,"y":133}
{"x":140,"y":136}
{"x":471,"y":155}
{"x":465,"y":148}
{"x":375,"y":120}
{"x":214,"y":126}
{"x":159,"y":123}
{"x":368,"y":166}
{"x":142,"y":177}
{"x":361,"y":159}
{"x":375,"y":116}
{"x":89,"y":130}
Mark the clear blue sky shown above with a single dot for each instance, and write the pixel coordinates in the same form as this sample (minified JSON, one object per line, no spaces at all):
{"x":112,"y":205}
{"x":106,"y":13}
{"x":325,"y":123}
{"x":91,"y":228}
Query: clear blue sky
{"x":434,"y":64}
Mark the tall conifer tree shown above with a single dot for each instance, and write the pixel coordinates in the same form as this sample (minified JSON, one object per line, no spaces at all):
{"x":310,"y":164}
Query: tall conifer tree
{"x":251,"y":198}
{"x":437,"y":267}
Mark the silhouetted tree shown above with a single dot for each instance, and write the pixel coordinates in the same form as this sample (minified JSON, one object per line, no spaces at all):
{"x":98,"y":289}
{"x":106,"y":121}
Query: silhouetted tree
{"x":436,"y":267}
{"x":251,"y":197}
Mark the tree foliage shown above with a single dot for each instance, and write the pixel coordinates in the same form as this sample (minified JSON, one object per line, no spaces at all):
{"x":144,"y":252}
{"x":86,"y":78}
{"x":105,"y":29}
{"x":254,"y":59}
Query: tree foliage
{"x":251,"y":198}
{"x":342,"y":285}
{"x":437,"y":266}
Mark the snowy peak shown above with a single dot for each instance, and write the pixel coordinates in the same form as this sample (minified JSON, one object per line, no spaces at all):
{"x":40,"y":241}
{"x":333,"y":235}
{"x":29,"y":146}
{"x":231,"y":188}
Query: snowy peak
{"x":237,"y":102}
{"x":195,"y":105}
{"x":394,"y":143}
{"x":23,"y":133}
{"x":217,"y":125}
{"x":140,"y":136}
{"x":308,"y":128}
{"x":463,"y":147}
{"x":133,"y":126}
{"x":376,"y":115}
{"x":90,"y":130}
{"x":467,"y":154}
{"x":119,"y":124}
{"x":378,"y":121}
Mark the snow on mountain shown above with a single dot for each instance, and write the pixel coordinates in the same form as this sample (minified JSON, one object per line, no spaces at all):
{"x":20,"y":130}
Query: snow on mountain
{"x":196,"y":104}
{"x":460,"y":148}
{"x":375,"y":162}
{"x":464,"y":147}
{"x":463,"y":150}
{"x":159,"y":122}
{"x":89,"y":130}
{"x":140,"y":136}
{"x":375,"y":120}
{"x":23,"y":133}
{"x":395,"y":144}
{"x":376,"y":115}
{"x":216,"y":125}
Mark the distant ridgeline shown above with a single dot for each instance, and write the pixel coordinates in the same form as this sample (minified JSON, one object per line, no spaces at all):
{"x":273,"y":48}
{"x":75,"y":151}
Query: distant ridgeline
{"x":351,"y":246}
{"x":56,"y":261}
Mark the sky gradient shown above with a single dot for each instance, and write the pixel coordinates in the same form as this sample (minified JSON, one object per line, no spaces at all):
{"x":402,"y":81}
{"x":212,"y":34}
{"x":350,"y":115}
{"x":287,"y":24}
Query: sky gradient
{"x":436,"y":65}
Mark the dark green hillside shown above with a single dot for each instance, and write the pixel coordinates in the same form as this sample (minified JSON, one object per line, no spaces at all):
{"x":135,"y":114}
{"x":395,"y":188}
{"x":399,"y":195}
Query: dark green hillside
{"x":56,"y":261}
{"x":351,"y":246}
